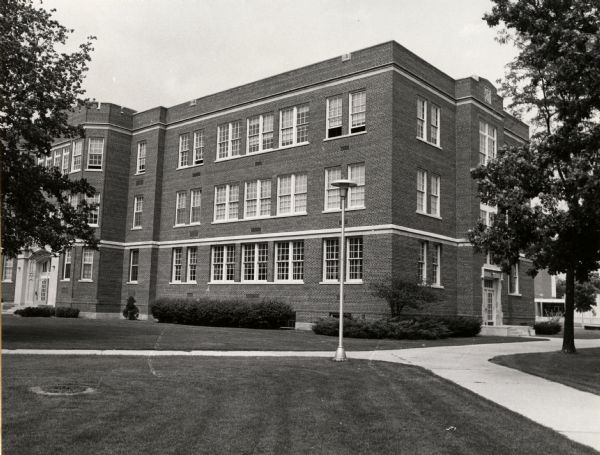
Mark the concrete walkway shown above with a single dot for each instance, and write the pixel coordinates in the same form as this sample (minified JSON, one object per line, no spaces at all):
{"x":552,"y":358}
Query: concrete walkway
{"x":571,"y":412}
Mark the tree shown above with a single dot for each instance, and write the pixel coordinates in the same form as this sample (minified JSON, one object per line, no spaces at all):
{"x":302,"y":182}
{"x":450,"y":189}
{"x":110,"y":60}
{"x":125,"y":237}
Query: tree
{"x":585,"y":293}
{"x":548,"y":191}
{"x":39,"y":86}
{"x":399,"y":294}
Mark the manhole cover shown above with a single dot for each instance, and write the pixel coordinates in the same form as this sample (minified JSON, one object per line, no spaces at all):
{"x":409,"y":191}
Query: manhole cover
{"x":63,"y":389}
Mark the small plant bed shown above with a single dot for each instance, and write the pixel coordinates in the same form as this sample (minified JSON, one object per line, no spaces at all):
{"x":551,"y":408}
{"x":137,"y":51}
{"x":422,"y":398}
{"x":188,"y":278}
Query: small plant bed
{"x":580,"y":371}
{"x":47,"y":311}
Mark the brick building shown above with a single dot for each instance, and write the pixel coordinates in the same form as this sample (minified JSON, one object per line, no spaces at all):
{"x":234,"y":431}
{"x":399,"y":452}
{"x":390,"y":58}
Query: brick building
{"x":229,"y":195}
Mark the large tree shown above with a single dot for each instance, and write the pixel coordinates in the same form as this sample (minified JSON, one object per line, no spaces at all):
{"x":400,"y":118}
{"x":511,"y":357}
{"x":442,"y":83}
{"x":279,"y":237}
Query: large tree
{"x":548,"y":191}
{"x":39,"y":86}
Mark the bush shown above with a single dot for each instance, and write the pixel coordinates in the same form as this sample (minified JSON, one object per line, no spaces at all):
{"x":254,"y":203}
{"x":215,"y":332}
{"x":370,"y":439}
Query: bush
{"x":42,"y":311}
{"x":459,"y":326}
{"x":131,"y":311}
{"x":223,"y":313}
{"x":547,"y":328}
{"x":66,"y":312}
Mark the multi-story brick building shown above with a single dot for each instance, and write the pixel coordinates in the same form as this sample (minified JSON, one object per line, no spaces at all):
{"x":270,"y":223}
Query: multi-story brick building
{"x":229,"y":195}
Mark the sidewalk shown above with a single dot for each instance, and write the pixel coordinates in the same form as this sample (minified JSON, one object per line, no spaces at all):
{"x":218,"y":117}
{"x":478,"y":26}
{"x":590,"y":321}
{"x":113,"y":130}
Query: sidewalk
{"x":571,"y":412}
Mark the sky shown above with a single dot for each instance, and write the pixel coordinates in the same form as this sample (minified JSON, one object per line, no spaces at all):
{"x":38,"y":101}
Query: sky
{"x":152,"y":53}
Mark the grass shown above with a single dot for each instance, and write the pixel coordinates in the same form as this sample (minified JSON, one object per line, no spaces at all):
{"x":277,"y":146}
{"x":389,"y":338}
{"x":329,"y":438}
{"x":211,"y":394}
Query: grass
{"x":59,"y":333}
{"x":580,"y":371}
{"x":182,"y":406}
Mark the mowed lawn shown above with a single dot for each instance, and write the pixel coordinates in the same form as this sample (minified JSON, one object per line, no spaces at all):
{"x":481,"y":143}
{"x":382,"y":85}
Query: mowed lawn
{"x":61,"y":333}
{"x":580,"y":371}
{"x":201,"y":405}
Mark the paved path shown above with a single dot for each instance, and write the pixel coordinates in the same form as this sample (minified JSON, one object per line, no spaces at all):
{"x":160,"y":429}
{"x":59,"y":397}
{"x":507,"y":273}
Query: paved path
{"x":571,"y":412}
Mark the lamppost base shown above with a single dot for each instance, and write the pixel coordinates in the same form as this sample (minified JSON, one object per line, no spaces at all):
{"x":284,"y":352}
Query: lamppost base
{"x":340,"y":355}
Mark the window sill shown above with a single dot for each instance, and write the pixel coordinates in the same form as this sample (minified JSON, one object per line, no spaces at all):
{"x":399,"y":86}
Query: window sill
{"x":94,"y":225}
{"x":436,"y":286}
{"x":223,"y":282}
{"x":137,"y":228}
{"x":140,"y":173}
{"x":343,"y":136}
{"x":515,"y":294}
{"x":425,"y":141}
{"x":351,"y":209}
{"x":86,"y":280}
{"x":64,"y":280}
{"x":74,"y":171}
{"x":93,"y":170}
{"x":177,"y":226}
{"x":345,"y":282}
{"x":131,"y":282}
{"x":253,"y":282}
{"x":256,"y":219}
{"x":285,"y":147}
{"x":7,"y":281}
{"x":179,"y":168}
{"x":437,"y":217}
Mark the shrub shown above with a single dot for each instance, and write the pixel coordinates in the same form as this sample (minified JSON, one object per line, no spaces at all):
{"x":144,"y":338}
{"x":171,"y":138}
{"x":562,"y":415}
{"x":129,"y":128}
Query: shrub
{"x":547,"y":328}
{"x":131,"y":311}
{"x":411,"y":329}
{"x":66,"y":312}
{"x":268,"y":314}
{"x":42,"y":311}
{"x":399,"y":293}
{"x":459,"y":326}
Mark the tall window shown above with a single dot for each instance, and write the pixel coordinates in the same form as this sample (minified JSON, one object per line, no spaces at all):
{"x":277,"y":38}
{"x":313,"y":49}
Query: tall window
{"x":428,"y":122}
{"x":487,"y":213}
{"x":134,"y":260}
{"x":198,"y":147}
{"x":255,"y":262}
{"x":260,"y":133}
{"x":258,"y":199}
{"x":66,"y":272}
{"x":138,"y":208}
{"x":513,"y":283}
{"x":354,"y":259}
{"x":487,"y":143}
{"x":94,"y":215}
{"x":192,"y":262}
{"x":176,"y":275}
{"x":356,"y":195}
{"x":87,"y":264}
{"x":228,"y":140}
{"x":180,"y":208}
{"x":434,"y":125}
{"x":226,"y":202}
{"x":95,"y":152}
{"x":184,"y":150}
{"x":421,"y":117}
{"x":289,"y":261}
{"x":291,"y":194}
{"x":65,"y":160}
{"x":332,"y":194}
{"x":428,"y":193}
{"x":358,"y":110}
{"x":223,"y":263}
{"x":422,"y":263}
{"x":7,"y":268}
{"x":141,"y":158}
{"x":293,"y":124}
{"x":57,"y":159}
{"x":334,"y":116}
{"x":195,"y":206}
{"x":436,"y":265}
{"x":331,"y":259}
{"x":77,"y":151}
{"x":354,"y":264}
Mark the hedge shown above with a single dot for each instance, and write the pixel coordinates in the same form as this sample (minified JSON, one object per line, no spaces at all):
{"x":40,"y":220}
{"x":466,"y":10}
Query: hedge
{"x":268,"y":314}
{"x":66,"y":312}
{"x":547,"y":328}
{"x":42,"y":311}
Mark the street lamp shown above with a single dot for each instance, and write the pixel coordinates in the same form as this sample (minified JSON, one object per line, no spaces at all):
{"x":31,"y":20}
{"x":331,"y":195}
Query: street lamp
{"x":343,"y":185}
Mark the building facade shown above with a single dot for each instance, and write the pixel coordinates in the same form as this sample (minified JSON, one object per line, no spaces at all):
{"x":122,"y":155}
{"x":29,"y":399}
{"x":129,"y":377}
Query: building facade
{"x":229,"y":195}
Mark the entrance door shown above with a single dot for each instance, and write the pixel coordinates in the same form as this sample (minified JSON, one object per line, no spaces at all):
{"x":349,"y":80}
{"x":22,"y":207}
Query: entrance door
{"x":489,"y":302}
{"x":43,"y":283}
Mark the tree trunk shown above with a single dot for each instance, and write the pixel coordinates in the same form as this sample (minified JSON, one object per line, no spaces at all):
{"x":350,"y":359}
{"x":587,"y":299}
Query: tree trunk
{"x":568,"y":346}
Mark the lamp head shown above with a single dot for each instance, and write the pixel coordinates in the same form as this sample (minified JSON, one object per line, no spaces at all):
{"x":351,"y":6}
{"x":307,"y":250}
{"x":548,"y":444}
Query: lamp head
{"x":343,"y":185}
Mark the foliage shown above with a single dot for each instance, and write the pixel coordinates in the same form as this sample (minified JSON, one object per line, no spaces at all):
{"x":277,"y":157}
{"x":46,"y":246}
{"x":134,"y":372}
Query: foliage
{"x":131,"y":311}
{"x":547,"y":327}
{"x":40,"y":86}
{"x":66,"y":312}
{"x":554,"y":79}
{"x":268,"y":314}
{"x":400,"y":294}
{"x":42,"y":311}
{"x":585,"y":293}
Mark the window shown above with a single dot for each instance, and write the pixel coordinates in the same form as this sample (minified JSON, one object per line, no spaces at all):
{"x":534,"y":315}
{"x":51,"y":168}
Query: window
{"x":421,"y":117}
{"x":358,"y":108}
{"x":258,"y":199}
{"x":436,"y":265}
{"x":134,"y":260}
{"x":7,"y":268}
{"x":192,"y":262}
{"x":66,"y":272}
{"x":141,"y":158}
{"x":422,"y":264}
{"x":223,"y":263}
{"x":228,"y":140}
{"x":94,"y":215}
{"x":513,"y":283}
{"x":177,"y":267}
{"x":434,"y":125}
{"x":354,"y":259}
{"x":198,"y":147}
{"x":356,"y":195}
{"x":180,"y":208}
{"x":260,"y":133}
{"x":87,"y":264}
{"x":65,"y":160}
{"x":428,"y":123}
{"x":487,"y":143}
{"x":226,"y":202}
{"x":354,"y":265}
{"x":95,"y":152}
{"x":195,"y":205}
{"x":291,"y":194}
{"x":184,"y":150}
{"x":77,"y":151}
{"x":487,"y":214}
{"x":428,"y":193}
{"x":289,"y":261}
{"x":293,"y":124}
{"x":57,"y":159}
{"x":334,"y":117}
{"x":332,"y":194}
{"x":138,"y":208}
{"x":255,"y":262}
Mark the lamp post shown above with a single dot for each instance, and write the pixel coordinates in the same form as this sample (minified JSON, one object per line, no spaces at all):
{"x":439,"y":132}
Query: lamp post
{"x":343,"y":185}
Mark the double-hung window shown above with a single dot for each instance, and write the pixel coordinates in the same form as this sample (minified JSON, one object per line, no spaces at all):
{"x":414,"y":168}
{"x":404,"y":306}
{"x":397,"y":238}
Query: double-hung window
{"x":138,"y":208}
{"x":192,"y":262}
{"x":434,"y":125}
{"x":513,"y":283}
{"x":87,"y":264}
{"x":487,"y":214}
{"x":65,"y":159}
{"x":228,"y":140}
{"x":255,"y":262}
{"x":134,"y":261}
{"x":95,"y":153}
{"x":291,"y":194}
{"x":94,"y":214}
{"x":356,"y":195}
{"x":428,"y":122}
{"x":260,"y":133}
{"x":257,"y":201}
{"x":198,"y":156}
{"x":354,"y":264}
{"x":487,"y":143}
{"x":76,"y":157}
{"x":67,"y":259}
{"x":7,"y":268}
{"x":184,"y":150}
{"x":293,"y":124}
{"x":289,"y":261}
{"x":180,"y":208}
{"x":436,"y":261}
{"x":358,"y":110}
{"x":421,"y":117}
{"x":223,"y":263}
{"x":354,"y":259}
{"x":195,"y":206}
{"x":334,"y":116}
{"x":141,"y":158}
{"x":428,"y":193}
{"x":57,"y":159}
{"x":332,"y":194}
{"x":177,"y":270}
{"x":226,"y":202}
{"x":422,"y":262}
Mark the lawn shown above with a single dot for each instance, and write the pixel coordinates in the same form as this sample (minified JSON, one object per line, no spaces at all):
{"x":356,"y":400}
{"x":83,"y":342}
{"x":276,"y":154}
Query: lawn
{"x":181,"y":406}
{"x":580,"y":371}
{"x":61,"y":333}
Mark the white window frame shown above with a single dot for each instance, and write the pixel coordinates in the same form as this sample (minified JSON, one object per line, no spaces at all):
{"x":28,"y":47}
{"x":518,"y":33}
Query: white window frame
{"x":95,"y":199}
{"x":86,"y":261}
{"x":57,"y":159}
{"x":198,"y":155}
{"x":228,"y":203}
{"x":96,"y":154}
{"x":195,"y":205}
{"x":66,"y":160}
{"x":360,"y":126}
{"x":295,"y":256}
{"x":434,"y":122}
{"x":487,"y":213}
{"x":514,"y":286}
{"x":425,"y":193}
{"x":67,"y":260}
{"x":258,"y":251}
{"x":192,"y":264}
{"x":7,"y":269}
{"x":261,"y":202}
{"x":229,"y":141}
{"x":351,"y":256}
{"x":360,"y":185}
{"x":293,"y":195}
{"x":177,"y":265}
{"x":138,"y":210}
{"x":436,"y":265}
{"x":421,"y":118}
{"x":77,"y":153}
{"x":132,"y":253}
{"x":347,"y":260}
{"x":226,"y":264}
{"x":488,"y":135}
{"x":338,"y":118}
{"x":180,"y":208}
{"x":141,"y":158}
{"x":331,"y":191}
{"x":262,"y":134}
{"x":295,"y":125}
{"x":422,"y":262}
{"x":184,"y":151}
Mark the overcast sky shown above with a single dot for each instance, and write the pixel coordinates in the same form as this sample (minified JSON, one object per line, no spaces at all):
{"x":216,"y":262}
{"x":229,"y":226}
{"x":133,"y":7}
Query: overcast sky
{"x":163,"y":52}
